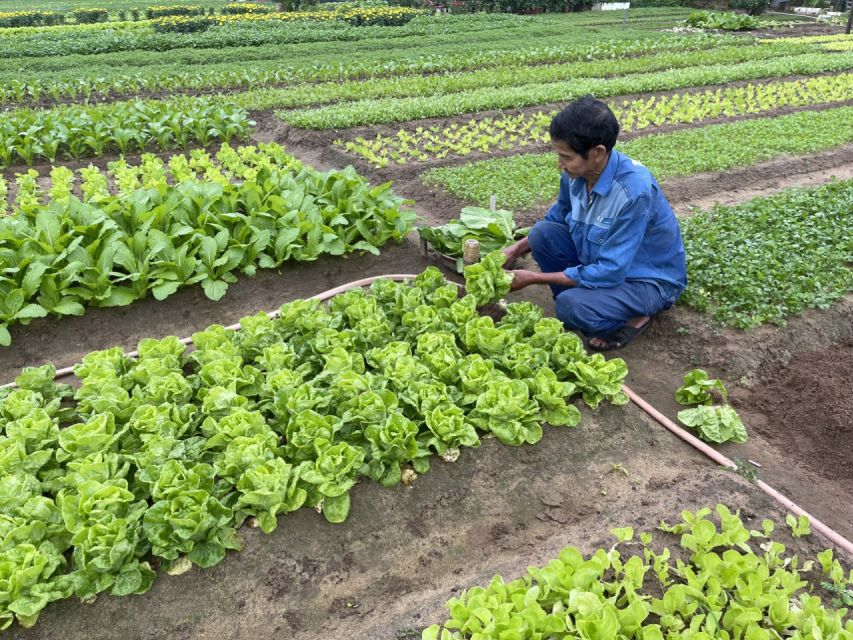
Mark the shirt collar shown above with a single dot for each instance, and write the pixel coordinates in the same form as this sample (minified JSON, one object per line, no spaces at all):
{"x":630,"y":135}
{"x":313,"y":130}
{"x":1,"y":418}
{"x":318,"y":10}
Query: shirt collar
{"x":605,"y":180}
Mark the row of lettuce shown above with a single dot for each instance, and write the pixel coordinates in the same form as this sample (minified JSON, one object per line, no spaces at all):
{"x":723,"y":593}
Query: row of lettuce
{"x":202,"y":222}
{"x":69,"y":79}
{"x":91,"y":15}
{"x":28,"y":136}
{"x":716,"y":578}
{"x":71,"y":132}
{"x":165,"y":453}
{"x":509,"y":132}
{"x":396,"y":106}
{"x":158,"y":17}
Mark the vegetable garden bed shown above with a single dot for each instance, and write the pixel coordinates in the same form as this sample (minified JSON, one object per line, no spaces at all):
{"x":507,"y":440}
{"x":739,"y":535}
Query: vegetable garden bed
{"x":496,"y":510}
{"x":389,"y":568}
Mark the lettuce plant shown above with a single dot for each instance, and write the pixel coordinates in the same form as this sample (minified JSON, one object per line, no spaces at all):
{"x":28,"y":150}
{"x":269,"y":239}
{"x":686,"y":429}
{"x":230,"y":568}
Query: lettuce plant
{"x":505,"y":409}
{"x":486,"y":280}
{"x":717,"y":423}
{"x":698,"y":388}
{"x":330,"y":477}
{"x":268,"y":489}
{"x":30,"y":578}
{"x":186,"y":518}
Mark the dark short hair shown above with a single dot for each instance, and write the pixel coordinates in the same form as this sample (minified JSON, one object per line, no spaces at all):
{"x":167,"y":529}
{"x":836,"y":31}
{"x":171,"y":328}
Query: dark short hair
{"x":584,"y":124}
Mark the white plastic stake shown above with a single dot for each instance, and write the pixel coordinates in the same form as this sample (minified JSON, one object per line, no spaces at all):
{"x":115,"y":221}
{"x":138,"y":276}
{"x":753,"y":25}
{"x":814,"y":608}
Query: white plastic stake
{"x":493,"y":202}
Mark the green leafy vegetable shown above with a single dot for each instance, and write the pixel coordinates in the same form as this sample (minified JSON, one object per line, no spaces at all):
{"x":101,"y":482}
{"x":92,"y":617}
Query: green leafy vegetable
{"x":714,"y":584}
{"x":486,"y":280}
{"x":492,"y":229}
{"x":167,"y":452}
{"x":718,"y":423}
{"x":699,"y":389}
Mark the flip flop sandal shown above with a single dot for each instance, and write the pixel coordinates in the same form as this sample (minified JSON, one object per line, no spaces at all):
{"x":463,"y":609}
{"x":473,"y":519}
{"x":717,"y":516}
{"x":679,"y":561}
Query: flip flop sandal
{"x":621,"y":339}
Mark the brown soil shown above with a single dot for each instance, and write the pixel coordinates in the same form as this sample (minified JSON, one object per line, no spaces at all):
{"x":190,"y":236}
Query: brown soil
{"x":752,"y":189}
{"x":738,"y":185}
{"x":748,"y":362}
{"x":786,"y":397}
{"x":795,"y":31}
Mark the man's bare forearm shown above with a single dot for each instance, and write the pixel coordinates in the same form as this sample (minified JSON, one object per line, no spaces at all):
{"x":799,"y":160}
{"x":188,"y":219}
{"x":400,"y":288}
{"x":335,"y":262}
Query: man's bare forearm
{"x":556,"y":277}
{"x":523,"y":278}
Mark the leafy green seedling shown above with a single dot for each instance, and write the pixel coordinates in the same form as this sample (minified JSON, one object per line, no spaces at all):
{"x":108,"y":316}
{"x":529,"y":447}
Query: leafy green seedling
{"x":799,"y":526}
{"x":698,"y":388}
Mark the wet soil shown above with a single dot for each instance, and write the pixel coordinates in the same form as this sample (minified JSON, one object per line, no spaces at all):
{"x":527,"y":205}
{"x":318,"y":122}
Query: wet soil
{"x":386,"y":572}
{"x":705,"y":190}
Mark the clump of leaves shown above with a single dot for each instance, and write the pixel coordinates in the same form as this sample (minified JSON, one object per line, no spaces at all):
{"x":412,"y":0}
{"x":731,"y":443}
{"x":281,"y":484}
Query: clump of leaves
{"x":487,"y":281}
{"x":717,"y":423}
{"x":800,"y":526}
{"x":727,"y":21}
{"x":492,"y":229}
{"x":713,"y":422}
{"x":698,"y":388}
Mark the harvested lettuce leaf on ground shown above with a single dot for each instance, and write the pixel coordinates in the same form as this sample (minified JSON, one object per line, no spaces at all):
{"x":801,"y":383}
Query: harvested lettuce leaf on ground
{"x":486,"y":280}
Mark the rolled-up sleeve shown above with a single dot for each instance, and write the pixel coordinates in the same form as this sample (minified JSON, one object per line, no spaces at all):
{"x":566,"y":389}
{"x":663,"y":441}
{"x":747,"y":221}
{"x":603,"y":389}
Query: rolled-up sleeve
{"x":618,"y":246}
{"x":563,"y":206}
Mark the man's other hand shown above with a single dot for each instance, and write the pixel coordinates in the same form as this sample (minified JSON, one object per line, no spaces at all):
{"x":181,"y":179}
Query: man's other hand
{"x":514,"y":251}
{"x":522,"y":278}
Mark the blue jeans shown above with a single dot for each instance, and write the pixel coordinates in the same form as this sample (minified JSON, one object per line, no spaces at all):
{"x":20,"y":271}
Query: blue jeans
{"x":593,"y":312}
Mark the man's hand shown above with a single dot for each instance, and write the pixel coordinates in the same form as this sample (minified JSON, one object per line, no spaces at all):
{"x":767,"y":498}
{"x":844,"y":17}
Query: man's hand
{"x":522,"y":278}
{"x":515,"y":251}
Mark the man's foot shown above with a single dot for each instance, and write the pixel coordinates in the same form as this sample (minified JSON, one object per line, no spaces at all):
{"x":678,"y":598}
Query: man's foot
{"x":623,"y":337}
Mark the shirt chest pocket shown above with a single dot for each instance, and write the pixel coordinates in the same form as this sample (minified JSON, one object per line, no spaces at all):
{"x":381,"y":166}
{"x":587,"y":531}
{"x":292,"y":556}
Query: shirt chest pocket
{"x":600,"y":230}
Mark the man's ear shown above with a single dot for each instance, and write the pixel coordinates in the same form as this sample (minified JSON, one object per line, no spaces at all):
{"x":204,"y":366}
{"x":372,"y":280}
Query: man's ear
{"x":600,"y":152}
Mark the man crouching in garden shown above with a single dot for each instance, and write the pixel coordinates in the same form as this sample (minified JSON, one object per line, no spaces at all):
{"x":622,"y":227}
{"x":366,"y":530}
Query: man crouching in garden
{"x":610,"y":247}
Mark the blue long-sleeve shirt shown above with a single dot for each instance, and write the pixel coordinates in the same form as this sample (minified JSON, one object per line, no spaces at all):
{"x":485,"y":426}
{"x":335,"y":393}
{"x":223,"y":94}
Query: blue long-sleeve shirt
{"x":624,"y":229}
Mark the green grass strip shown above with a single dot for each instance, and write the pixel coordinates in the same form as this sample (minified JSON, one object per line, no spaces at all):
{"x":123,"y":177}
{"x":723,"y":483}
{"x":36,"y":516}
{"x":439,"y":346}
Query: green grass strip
{"x":772,"y":257}
{"x":388,"y":110}
{"x":523,"y":181}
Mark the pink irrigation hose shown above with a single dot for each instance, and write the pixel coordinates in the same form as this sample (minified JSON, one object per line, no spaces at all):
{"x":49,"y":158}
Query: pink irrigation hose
{"x":828,"y":533}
